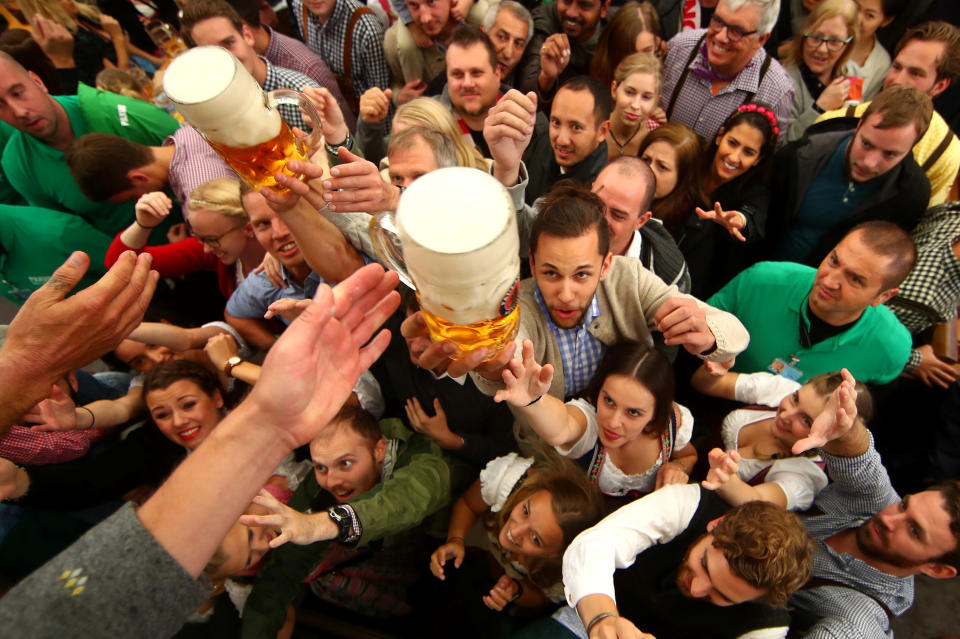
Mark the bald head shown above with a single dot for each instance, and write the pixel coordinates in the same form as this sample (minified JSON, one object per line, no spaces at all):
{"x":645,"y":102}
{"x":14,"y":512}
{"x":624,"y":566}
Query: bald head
{"x":626,"y":187}
{"x":26,"y":106}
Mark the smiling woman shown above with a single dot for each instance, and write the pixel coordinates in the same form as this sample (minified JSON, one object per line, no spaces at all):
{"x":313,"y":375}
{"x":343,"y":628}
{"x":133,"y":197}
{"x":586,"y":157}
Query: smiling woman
{"x":184,"y":401}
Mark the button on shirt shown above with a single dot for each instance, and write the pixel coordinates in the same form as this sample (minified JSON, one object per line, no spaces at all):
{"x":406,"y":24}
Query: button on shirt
{"x":580,"y":351}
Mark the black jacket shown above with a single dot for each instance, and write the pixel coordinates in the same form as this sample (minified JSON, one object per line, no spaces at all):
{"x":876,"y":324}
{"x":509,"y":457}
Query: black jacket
{"x":544,"y":171}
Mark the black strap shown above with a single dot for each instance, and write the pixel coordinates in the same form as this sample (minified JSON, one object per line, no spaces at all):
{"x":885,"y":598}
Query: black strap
{"x":944,"y":143}
{"x":851,"y":111}
{"x":819,"y":582}
{"x":763,"y":71}
{"x":912,"y":305}
{"x":683,"y":76}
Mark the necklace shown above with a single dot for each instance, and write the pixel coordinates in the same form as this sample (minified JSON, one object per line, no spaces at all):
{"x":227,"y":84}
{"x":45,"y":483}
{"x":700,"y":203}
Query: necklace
{"x":618,"y":143}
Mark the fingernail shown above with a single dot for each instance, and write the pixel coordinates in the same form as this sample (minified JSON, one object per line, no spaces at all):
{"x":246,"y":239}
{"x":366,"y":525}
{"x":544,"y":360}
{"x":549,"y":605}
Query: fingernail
{"x":335,"y":172}
{"x":449,"y":348}
{"x":75,"y":259}
{"x":327,"y":196}
{"x":327,"y":184}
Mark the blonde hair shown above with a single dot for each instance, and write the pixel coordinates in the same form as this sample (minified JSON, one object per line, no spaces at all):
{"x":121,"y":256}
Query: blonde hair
{"x":640,"y":63}
{"x":129,"y":83}
{"x":430,"y":114}
{"x":221,"y":195}
{"x":846,"y":9}
{"x":53,"y":10}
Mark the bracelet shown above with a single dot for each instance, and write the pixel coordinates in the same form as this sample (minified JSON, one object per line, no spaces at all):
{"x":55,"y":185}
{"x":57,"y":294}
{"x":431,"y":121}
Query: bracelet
{"x":93,"y":418}
{"x":534,"y":401}
{"x":462,"y":541}
{"x":332,"y":148}
{"x":143,"y":226}
{"x":598,"y":618}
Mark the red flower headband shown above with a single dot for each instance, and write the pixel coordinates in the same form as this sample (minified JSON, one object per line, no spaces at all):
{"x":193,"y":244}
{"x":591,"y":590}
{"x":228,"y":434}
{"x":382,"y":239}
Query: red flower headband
{"x":770,"y":115}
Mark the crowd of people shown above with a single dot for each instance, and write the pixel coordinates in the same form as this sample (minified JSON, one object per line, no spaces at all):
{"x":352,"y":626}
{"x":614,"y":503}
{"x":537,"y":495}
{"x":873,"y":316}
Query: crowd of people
{"x":222,"y":413}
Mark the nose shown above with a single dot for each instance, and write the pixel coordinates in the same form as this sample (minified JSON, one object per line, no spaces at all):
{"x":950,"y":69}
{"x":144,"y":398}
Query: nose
{"x":279,"y":228}
{"x":179,"y":418}
{"x":566,"y":291}
{"x":508,"y":51}
{"x":699,"y":587}
{"x":563,"y":136}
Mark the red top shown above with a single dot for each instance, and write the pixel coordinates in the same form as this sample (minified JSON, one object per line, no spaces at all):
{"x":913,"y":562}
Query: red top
{"x":179,"y":259}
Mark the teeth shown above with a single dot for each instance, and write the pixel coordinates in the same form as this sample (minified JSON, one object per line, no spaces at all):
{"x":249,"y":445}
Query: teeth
{"x":190,"y":432}
{"x":289,"y":246}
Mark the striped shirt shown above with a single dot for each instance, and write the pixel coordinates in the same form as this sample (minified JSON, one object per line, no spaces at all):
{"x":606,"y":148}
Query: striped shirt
{"x":194,"y":163}
{"x":580,"y":351}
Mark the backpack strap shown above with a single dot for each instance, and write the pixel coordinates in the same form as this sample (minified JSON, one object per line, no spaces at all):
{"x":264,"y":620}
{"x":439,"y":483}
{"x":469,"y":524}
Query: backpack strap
{"x":683,"y":76}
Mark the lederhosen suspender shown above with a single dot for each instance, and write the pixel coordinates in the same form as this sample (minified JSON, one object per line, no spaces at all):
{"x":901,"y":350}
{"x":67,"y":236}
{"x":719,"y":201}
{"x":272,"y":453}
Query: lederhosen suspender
{"x":686,"y":71}
{"x":344,"y":80}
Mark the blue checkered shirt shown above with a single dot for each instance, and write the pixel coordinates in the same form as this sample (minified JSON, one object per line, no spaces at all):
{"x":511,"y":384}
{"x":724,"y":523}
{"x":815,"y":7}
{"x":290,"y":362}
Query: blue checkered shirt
{"x":580,"y":351}
{"x":282,"y":78}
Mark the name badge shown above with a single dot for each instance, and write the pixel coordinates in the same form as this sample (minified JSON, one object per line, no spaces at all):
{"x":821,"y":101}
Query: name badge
{"x":785,"y":369}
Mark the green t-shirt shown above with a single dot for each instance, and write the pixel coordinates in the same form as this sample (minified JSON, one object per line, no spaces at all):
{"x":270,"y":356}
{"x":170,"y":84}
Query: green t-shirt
{"x":35,"y":241}
{"x":41,"y":175}
{"x":768,"y":299}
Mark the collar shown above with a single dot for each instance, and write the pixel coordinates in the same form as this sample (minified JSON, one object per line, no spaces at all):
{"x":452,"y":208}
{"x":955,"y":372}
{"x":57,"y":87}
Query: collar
{"x":586,"y":168}
{"x":389,"y":459}
{"x":633,"y":250}
{"x":747,"y":79}
{"x":588,"y":317}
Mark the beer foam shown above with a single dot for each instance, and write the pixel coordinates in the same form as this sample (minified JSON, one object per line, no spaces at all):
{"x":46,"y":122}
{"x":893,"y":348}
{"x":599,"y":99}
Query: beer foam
{"x":219,"y":97}
{"x":455,"y":210}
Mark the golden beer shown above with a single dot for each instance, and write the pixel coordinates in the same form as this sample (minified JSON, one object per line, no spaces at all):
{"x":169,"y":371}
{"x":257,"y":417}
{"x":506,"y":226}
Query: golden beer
{"x":454,"y":238}
{"x":257,"y":165}
{"x":224,"y":103}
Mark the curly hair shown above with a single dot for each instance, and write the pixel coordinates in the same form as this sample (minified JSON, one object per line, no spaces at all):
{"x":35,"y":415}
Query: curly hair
{"x":767,"y":547}
{"x":576,"y":502}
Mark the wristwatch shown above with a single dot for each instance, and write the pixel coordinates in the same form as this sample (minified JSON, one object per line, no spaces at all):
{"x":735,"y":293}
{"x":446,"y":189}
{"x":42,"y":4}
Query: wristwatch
{"x":232,"y":363}
{"x":343,"y":516}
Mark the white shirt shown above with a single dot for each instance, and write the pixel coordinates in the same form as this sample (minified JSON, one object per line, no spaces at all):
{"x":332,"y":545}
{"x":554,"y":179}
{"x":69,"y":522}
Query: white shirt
{"x":633,"y":250}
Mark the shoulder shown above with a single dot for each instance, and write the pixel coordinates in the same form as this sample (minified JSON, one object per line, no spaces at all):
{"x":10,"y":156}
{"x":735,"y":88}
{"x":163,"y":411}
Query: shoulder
{"x":776,"y":272}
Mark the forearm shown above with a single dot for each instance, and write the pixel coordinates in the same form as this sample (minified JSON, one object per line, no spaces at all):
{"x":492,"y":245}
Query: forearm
{"x":105,"y":413}
{"x":714,"y":385}
{"x":593,"y":605}
{"x":686,"y":457}
{"x":175,"y":338}
{"x":246,"y":372}
{"x":135,"y":236}
{"x":254,"y":331}
{"x":327,"y":251}
{"x":31,"y":387}
{"x":191,"y":512}
{"x":853,"y":444}
{"x":736,"y":492}
{"x":552,"y":420}
{"x":461,"y":519}
{"x":123,"y":53}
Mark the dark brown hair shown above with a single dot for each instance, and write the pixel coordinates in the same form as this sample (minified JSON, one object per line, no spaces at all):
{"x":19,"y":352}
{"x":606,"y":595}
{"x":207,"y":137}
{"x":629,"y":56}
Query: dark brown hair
{"x":648,"y":366}
{"x":687,"y":193}
{"x":948,"y":66}
{"x":167,"y":373}
{"x":571,"y":210}
{"x":619,"y":37}
{"x":900,"y":106}
{"x":950,"y":491}
{"x":99,"y":162}
{"x":200,"y":10}
{"x":890,"y":241}
{"x":467,"y":35}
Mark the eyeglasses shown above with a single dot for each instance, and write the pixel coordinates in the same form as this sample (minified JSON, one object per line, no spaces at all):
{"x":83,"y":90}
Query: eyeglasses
{"x":833,"y":44}
{"x":213,"y":241}
{"x":734,"y":33}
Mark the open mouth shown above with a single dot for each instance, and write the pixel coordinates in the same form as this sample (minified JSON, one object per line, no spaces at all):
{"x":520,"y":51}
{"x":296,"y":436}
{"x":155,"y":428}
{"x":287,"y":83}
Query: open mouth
{"x":189,"y":433}
{"x":288,"y":249}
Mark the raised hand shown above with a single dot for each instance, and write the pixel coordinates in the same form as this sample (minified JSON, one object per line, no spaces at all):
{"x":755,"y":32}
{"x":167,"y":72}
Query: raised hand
{"x":459,"y":9}
{"x":294,"y":526}
{"x":287,"y":307}
{"x":554,"y":56}
{"x":507,"y":130}
{"x":838,"y":416}
{"x":834,"y":94}
{"x":723,"y":466}
{"x":57,"y":412}
{"x":55,"y":40}
{"x":733,"y":221}
{"x":453,"y":549}
{"x":219,"y":349}
{"x":526,"y":380}
{"x":332,"y":124}
{"x":673,"y":472}
{"x":682,"y":321}
{"x":502,"y":593}
{"x":719,"y":369}
{"x":14,"y":480}
{"x":152,"y":208}
{"x":412,"y":89}
{"x":375,"y":104}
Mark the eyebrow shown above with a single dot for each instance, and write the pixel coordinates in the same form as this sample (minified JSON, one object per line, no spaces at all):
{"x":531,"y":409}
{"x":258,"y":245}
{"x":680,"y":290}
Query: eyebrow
{"x":578,"y":268}
{"x":706,"y":569}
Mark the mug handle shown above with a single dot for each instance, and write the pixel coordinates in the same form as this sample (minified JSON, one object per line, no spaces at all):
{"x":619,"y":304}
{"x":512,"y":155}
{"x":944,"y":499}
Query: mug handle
{"x":309,"y":144}
{"x":386,"y":241}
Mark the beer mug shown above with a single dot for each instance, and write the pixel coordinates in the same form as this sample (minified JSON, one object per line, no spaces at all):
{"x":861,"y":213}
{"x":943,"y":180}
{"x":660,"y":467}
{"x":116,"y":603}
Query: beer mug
{"x":165,"y":37}
{"x":223,"y":102}
{"x":454,"y":240}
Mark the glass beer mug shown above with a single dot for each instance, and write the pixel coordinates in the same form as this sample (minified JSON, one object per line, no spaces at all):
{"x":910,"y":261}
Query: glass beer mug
{"x":223,"y":102}
{"x":454,"y":240}
{"x":165,"y":37}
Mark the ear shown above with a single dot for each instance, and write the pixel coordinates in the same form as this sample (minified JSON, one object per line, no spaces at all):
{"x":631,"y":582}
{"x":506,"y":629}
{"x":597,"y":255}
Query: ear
{"x":714,"y":523}
{"x":763,"y":39}
{"x":37,"y":81}
{"x":533,"y":269}
{"x":137,"y":176}
{"x":72,"y":380}
{"x":247,"y":34}
{"x":887,"y":21}
{"x":884,"y":297}
{"x":644,"y":218}
{"x":939,"y":87}
{"x":605,"y":266}
{"x":602,"y":131}
{"x":217,"y":398}
{"x":603,"y":9}
{"x":937,"y":570}
{"x":248,"y":230}
{"x":380,"y":450}
{"x":613,"y":89}
{"x":720,"y":133}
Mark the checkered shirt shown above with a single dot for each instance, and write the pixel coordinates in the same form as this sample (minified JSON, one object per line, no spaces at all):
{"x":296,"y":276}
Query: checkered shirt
{"x":580,"y":351}
{"x":194,"y":163}
{"x":287,"y":52}
{"x":934,"y":281}
{"x":701,"y":110}
{"x":283,"y":78}
{"x":326,"y":40}
{"x":26,"y":446}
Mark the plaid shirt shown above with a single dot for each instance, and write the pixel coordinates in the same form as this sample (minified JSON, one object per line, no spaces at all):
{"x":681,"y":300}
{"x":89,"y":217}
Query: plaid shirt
{"x":859,"y":489}
{"x":369,"y":64}
{"x":194,"y":163}
{"x":701,"y":110}
{"x":934,"y":282}
{"x":289,"y":53}
{"x":24,"y":445}
{"x":283,"y":78}
{"x":580,"y":351}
